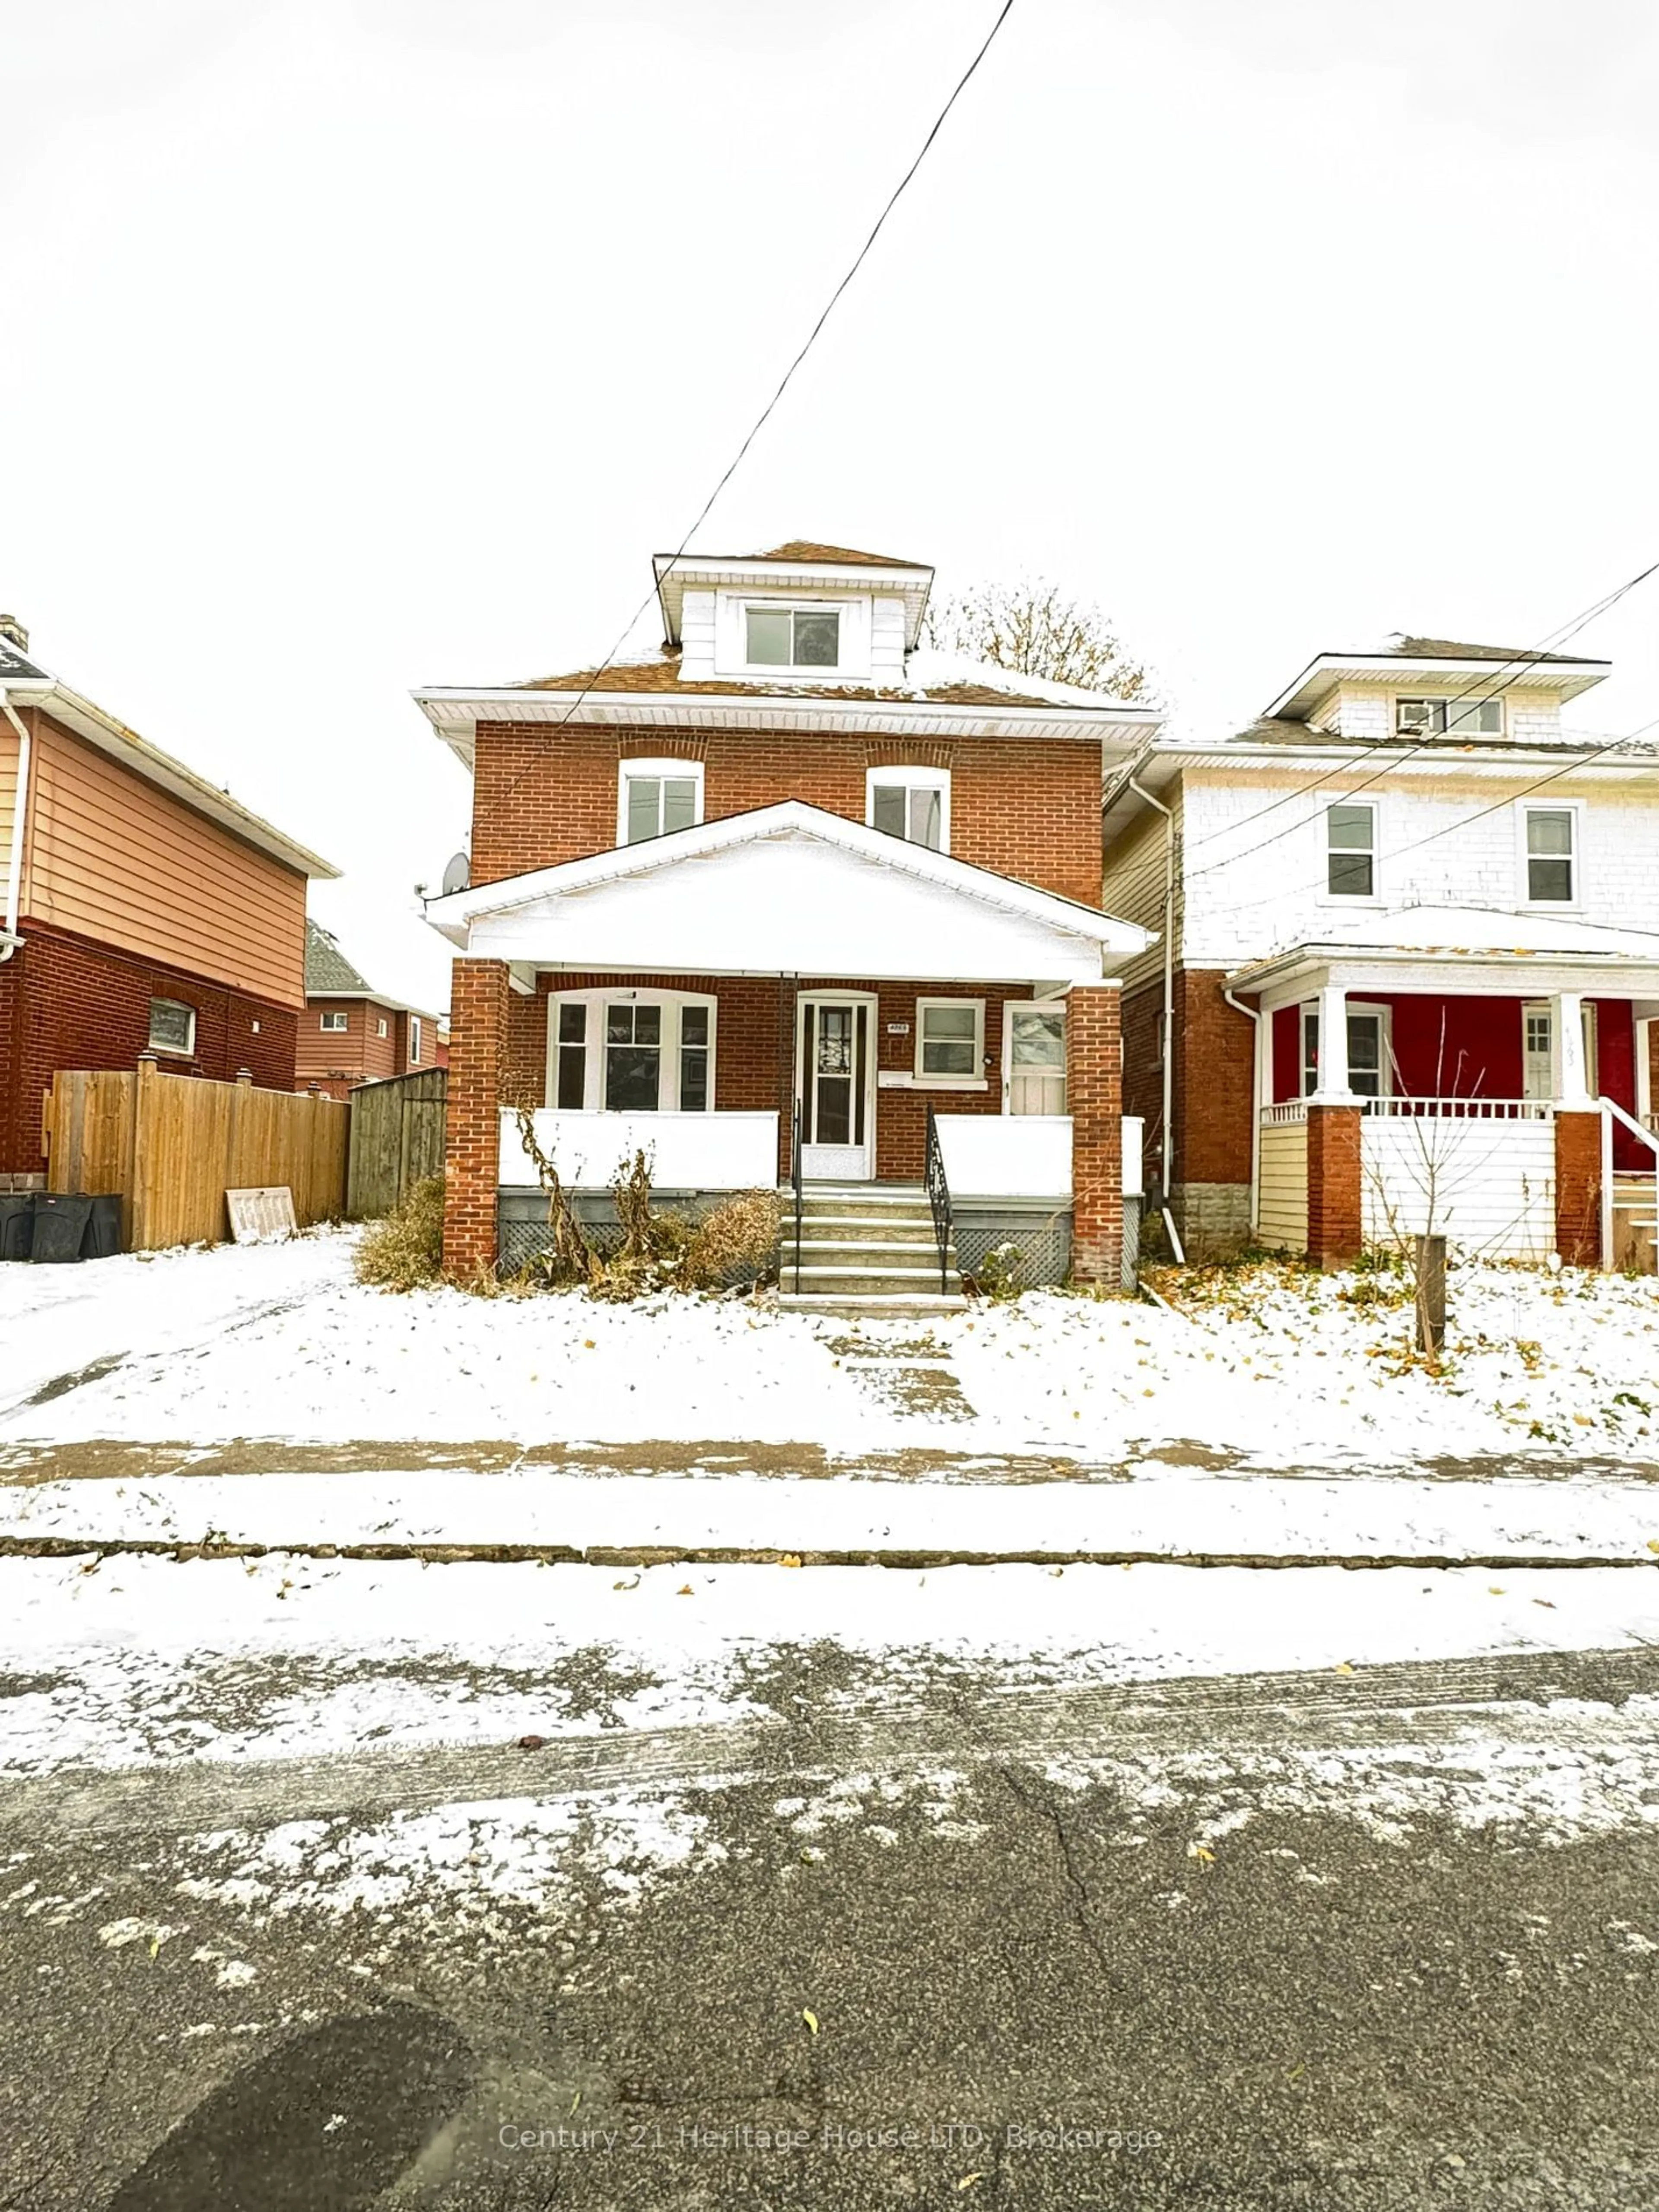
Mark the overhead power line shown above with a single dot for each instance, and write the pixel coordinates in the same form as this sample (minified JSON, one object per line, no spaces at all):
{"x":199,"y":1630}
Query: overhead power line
{"x":787,"y":378}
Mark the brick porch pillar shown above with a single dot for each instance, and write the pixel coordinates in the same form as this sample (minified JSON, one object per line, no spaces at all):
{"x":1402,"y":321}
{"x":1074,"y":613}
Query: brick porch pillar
{"x":1335,"y":1229}
{"x":478,"y":1059}
{"x":1578,"y":1187}
{"x":1094,"y":1098}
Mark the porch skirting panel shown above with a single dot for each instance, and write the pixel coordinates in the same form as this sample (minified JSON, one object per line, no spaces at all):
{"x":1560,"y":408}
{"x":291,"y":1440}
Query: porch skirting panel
{"x":1487,"y":1185}
{"x":522,"y":1233}
{"x":1032,"y":1237}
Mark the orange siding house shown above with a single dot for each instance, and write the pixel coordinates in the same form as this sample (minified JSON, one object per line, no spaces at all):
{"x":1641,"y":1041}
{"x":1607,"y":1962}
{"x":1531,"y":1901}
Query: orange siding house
{"x":351,"y":1033}
{"x":144,"y":909}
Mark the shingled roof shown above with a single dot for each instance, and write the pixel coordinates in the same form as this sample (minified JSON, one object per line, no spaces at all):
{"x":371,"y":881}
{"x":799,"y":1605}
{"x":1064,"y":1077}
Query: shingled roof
{"x":661,"y":673}
{"x":1447,"y":648}
{"x":831,"y":556}
{"x":327,"y":968}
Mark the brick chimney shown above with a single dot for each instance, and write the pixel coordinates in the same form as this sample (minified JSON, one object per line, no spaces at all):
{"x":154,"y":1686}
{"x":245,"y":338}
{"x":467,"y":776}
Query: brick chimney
{"x":11,"y":628}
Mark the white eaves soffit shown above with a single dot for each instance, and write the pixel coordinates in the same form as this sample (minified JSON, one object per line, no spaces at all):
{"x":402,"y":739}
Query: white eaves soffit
{"x":786,"y":890}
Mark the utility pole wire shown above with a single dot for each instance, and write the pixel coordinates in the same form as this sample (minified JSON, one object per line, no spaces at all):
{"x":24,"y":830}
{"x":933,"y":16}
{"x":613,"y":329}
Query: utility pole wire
{"x":787,"y":378}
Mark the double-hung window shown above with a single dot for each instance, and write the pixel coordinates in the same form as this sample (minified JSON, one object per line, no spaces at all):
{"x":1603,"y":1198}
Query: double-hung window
{"x":792,"y":637}
{"x":1552,"y":855}
{"x":912,"y":803}
{"x":1449,"y":717}
{"x":1350,"y":849}
{"x":950,"y":1040}
{"x":658,"y":796}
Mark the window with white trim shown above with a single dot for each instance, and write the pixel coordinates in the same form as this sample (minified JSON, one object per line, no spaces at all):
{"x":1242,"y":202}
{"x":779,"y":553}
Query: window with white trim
{"x":381,"y":1027}
{"x":1449,"y":717}
{"x":1552,"y":855}
{"x":336,"y":1020}
{"x":1369,"y":1051}
{"x":655,"y":797}
{"x":792,"y":637}
{"x":950,"y":1041}
{"x":623,"y":1052}
{"x":172,"y":1026}
{"x":912,"y":803}
{"x":1350,"y":849}
{"x":414,"y":1040}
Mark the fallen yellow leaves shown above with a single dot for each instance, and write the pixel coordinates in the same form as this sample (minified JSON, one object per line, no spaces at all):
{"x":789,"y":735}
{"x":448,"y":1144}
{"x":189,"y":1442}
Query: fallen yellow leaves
{"x":811,"y":2019}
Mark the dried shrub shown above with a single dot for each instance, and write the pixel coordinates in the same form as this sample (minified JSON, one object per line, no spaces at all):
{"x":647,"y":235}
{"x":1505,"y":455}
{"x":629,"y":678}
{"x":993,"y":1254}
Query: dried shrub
{"x":407,"y":1248}
{"x":736,"y":1243}
{"x":572,"y":1259}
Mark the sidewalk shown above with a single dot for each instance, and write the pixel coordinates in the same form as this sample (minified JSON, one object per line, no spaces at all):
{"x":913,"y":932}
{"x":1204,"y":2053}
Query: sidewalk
{"x":736,"y":1505}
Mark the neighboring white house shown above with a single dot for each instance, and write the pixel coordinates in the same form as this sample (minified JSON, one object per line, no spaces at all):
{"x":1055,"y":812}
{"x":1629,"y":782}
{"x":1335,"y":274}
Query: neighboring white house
{"x":1406,"y":889}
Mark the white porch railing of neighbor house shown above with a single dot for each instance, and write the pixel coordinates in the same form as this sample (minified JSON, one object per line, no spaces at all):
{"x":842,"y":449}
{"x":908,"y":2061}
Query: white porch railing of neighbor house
{"x":1006,"y":1155}
{"x":1484,"y":1179}
{"x":687,"y":1151}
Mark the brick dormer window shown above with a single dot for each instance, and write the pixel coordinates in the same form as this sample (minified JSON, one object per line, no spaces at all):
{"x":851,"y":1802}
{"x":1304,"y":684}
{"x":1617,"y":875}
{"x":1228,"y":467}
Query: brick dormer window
{"x":792,"y":637}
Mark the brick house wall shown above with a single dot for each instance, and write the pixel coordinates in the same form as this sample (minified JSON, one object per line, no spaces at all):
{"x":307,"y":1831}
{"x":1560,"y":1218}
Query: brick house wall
{"x":755,"y":1051}
{"x":66,"y":1002}
{"x":1213,"y":1097}
{"x":1027,"y":808}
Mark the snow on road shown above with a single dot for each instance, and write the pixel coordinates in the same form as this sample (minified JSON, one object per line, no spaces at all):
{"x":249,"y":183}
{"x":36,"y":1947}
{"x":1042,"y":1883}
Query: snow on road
{"x":1285,"y":1365}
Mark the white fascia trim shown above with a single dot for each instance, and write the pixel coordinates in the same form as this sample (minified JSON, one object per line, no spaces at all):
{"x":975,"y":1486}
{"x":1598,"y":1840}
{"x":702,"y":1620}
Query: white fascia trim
{"x":374,"y":999}
{"x":1434,"y":757}
{"x":761,"y":710}
{"x":461,"y":909}
{"x":1523,"y":975}
{"x":102,"y":731}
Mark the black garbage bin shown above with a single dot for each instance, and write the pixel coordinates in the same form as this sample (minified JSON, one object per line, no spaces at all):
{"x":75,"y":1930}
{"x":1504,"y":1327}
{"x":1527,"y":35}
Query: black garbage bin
{"x":16,"y":1224}
{"x":59,"y":1226}
{"x":102,"y":1239}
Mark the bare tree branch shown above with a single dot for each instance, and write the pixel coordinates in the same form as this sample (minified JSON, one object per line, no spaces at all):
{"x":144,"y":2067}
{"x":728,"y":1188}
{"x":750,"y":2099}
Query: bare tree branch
{"x":1034,"y":628}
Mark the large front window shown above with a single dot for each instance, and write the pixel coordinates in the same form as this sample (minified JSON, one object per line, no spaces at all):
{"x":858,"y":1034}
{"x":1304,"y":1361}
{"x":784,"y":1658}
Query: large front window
{"x":792,"y":637}
{"x":950,"y":1040}
{"x":615,"y":1052}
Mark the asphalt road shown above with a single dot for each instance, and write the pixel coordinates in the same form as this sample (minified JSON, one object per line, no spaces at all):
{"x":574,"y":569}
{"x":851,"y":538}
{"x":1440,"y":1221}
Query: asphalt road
{"x":1231,"y":1944}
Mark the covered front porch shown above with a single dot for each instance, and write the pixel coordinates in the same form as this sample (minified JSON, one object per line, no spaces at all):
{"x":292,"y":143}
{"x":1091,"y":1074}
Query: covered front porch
{"x":972,"y":1045}
{"x":1502,"y":1096}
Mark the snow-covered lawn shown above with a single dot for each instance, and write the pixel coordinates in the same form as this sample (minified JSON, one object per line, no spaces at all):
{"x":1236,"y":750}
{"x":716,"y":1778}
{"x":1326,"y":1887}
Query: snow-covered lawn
{"x":1278,"y":1367}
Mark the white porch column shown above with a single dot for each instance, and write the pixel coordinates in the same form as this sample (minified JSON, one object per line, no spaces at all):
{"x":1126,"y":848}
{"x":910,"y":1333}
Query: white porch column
{"x":1332,"y":1088}
{"x":1571,"y":1081}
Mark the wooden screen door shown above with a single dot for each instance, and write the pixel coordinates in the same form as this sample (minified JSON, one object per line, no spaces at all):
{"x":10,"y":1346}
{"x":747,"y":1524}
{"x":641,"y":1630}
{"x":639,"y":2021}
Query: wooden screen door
{"x":837,"y":1099}
{"x":1034,"y":1059}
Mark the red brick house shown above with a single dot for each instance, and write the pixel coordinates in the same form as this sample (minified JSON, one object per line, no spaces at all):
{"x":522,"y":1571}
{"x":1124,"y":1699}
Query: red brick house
{"x":145,"y":910}
{"x":351,"y":1033}
{"x":787,"y":903}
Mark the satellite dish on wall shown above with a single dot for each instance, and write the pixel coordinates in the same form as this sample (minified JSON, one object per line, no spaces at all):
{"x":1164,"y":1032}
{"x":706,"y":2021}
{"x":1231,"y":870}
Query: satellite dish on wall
{"x":457,"y":874}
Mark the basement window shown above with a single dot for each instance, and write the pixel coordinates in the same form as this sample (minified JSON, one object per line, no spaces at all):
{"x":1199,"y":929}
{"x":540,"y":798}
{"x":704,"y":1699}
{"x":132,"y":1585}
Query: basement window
{"x":172,"y":1026}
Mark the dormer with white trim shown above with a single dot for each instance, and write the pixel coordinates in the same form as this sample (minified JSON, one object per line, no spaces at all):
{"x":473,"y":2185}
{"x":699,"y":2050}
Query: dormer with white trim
{"x":1419,"y":688}
{"x":802,"y":615}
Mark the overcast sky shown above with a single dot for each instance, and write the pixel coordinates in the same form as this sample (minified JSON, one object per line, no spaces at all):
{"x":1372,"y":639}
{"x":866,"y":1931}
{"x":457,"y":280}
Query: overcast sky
{"x":356,"y":344}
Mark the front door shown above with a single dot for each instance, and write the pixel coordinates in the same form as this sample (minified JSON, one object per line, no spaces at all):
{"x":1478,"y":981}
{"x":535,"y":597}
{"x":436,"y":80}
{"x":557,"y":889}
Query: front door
{"x":1537,"y":1057}
{"x":1034,"y":1059}
{"x":837,"y":1097}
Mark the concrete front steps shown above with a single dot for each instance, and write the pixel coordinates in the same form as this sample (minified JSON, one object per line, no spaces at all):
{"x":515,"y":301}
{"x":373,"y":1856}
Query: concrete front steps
{"x":867,"y":1249}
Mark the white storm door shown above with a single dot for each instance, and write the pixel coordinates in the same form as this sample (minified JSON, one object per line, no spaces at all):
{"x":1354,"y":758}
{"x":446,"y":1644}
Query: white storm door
{"x":837,"y":1098}
{"x":1034,"y":1059}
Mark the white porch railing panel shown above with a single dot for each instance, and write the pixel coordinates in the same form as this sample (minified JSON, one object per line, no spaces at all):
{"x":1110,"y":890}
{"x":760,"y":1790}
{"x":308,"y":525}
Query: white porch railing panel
{"x":1487,"y":1182}
{"x":1006,"y":1155}
{"x":1461,"y":1109}
{"x":688,"y":1151}
{"x":1282,"y":1209}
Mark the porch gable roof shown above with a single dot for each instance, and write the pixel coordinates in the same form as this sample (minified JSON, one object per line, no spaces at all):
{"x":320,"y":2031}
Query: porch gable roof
{"x":787,"y":888}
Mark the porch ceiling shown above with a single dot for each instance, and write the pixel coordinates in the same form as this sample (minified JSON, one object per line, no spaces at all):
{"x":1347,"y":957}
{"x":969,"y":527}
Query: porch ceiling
{"x":786,"y":890}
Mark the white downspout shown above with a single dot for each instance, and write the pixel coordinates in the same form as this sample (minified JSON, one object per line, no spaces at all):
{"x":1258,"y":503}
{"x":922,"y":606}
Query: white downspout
{"x":1256,"y":1105}
{"x":19,"y":809}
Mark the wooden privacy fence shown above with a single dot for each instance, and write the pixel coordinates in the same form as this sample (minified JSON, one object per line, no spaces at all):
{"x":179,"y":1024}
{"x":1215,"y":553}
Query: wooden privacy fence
{"x":171,"y":1146}
{"x":396,"y":1139}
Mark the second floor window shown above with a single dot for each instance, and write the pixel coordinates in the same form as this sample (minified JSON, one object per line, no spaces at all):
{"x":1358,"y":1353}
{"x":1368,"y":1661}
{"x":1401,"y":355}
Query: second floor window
{"x":1551,"y":857}
{"x":337,"y":1022}
{"x":1456,"y":718}
{"x":912,"y":803}
{"x":1350,"y":851}
{"x":414,"y":1040}
{"x":656,"y":797}
{"x":792,"y":637}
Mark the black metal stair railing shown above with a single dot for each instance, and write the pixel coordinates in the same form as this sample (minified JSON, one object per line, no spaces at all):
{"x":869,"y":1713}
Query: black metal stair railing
{"x":938,"y":1197}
